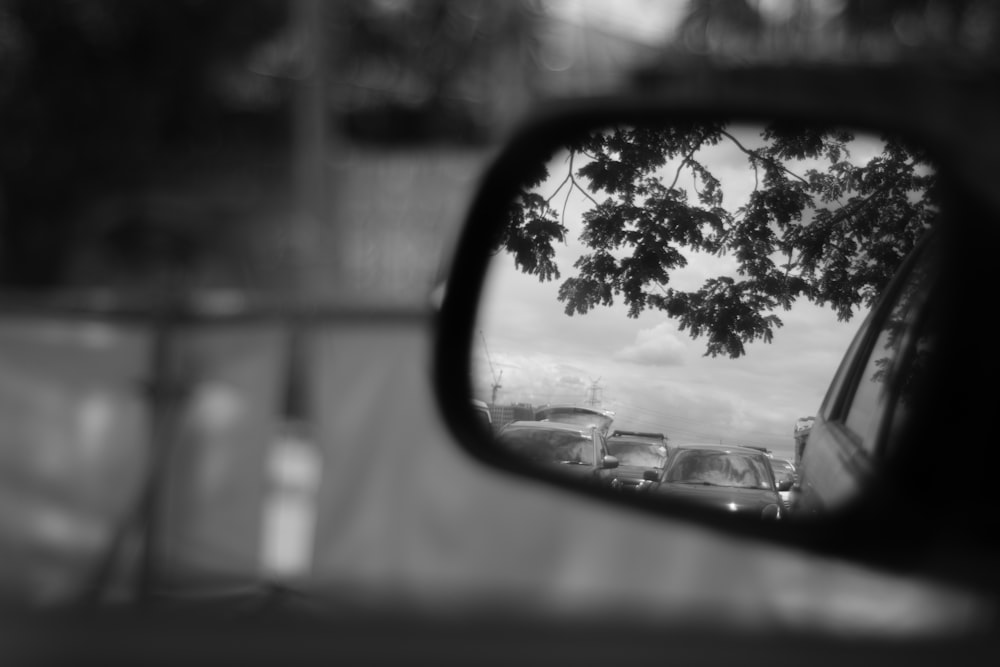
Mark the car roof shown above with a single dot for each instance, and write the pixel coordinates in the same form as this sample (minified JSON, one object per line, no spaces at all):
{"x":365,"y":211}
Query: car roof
{"x":548,"y":426}
{"x":638,"y":440}
{"x":569,"y":407}
{"x":638,"y":434}
{"x":714,"y":446}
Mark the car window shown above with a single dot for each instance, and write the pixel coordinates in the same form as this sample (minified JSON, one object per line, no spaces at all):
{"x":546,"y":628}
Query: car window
{"x":544,"y":446}
{"x":717,"y":469}
{"x":892,"y":358}
{"x":636,"y":453}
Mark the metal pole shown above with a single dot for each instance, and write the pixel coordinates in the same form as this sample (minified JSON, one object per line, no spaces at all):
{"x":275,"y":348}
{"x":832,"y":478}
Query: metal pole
{"x":294,"y":461}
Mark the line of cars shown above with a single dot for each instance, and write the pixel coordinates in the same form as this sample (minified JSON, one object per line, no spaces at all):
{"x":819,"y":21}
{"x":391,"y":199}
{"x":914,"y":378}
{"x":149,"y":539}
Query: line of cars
{"x":578,"y":441}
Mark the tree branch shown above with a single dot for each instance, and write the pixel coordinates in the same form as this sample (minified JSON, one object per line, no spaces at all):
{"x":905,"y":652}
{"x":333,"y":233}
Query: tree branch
{"x":757,"y":156}
{"x":562,"y":218}
{"x":686,"y":160}
{"x":573,"y":182}
{"x":553,"y":195}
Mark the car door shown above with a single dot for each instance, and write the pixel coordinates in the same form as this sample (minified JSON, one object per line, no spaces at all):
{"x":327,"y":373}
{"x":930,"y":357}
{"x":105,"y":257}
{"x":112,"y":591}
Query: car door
{"x":855,"y":426}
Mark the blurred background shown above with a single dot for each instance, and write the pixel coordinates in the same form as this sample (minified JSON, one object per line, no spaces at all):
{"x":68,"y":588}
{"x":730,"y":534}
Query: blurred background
{"x":221,"y":224}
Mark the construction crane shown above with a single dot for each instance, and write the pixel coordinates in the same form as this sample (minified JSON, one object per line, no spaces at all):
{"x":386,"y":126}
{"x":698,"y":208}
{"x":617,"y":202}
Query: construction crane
{"x":496,"y":378}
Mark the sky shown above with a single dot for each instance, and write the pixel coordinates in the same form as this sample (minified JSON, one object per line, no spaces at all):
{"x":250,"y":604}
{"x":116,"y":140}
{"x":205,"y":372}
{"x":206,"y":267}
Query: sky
{"x":652,"y":375}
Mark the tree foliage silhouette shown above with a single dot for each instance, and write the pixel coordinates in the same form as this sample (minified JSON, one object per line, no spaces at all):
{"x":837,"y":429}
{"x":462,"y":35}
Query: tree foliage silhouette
{"x":832,"y":234}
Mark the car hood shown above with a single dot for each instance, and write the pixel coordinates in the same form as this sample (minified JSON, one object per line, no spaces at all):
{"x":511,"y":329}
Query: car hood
{"x":731,"y":499}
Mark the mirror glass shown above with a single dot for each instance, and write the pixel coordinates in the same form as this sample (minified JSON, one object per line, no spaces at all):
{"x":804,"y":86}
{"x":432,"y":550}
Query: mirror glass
{"x":667,"y":304}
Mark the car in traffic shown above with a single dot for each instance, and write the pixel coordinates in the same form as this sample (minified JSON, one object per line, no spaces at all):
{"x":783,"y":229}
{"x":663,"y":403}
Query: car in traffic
{"x":640,"y":455}
{"x":580,"y":451}
{"x":730,"y":478}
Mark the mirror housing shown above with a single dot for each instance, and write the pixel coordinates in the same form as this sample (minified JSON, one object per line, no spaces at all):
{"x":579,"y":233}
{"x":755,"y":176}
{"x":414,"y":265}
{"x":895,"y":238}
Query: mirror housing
{"x":609,"y":462}
{"x":784,"y":485}
{"x":933,"y":110}
{"x":651,"y":476}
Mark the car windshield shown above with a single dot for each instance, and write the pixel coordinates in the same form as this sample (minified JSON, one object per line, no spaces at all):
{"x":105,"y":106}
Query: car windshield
{"x":549,"y":446}
{"x":637,"y":453}
{"x":697,"y":466}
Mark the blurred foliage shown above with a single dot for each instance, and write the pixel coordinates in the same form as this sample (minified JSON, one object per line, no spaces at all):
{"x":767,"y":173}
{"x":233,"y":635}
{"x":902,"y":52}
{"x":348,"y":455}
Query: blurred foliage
{"x":964,"y":31}
{"x":93,"y":95}
{"x":105,"y":98}
{"x":404,"y":70}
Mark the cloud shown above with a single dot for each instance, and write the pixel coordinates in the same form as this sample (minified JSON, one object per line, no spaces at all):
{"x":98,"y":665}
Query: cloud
{"x":658,"y":346}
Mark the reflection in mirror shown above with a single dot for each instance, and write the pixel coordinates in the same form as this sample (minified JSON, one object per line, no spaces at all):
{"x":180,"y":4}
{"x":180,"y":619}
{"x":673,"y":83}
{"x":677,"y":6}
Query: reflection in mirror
{"x":667,"y":305}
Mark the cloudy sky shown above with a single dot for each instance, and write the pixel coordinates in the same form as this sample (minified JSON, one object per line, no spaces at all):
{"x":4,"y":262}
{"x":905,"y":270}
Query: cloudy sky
{"x":653,"y":376}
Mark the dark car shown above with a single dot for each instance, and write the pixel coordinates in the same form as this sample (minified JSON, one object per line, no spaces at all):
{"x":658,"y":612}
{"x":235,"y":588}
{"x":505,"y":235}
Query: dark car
{"x":640,"y":455}
{"x":736,"y":479}
{"x":578,"y":450}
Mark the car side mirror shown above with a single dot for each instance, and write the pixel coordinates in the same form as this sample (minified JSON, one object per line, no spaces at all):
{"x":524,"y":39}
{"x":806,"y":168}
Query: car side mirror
{"x":609,"y":462}
{"x":651,"y":475}
{"x":785,"y":485}
{"x":589,"y":217}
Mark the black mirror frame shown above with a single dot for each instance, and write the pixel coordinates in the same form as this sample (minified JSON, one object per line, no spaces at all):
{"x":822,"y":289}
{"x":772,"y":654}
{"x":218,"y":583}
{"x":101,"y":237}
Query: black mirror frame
{"x":931,"y":110}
